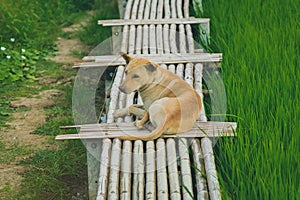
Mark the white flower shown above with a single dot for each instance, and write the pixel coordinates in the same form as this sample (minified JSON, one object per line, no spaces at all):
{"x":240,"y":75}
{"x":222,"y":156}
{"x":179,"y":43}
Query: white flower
{"x":3,"y":48}
{"x":12,"y":39}
{"x":23,"y":57}
{"x":23,"y":50}
{"x":8,"y":56}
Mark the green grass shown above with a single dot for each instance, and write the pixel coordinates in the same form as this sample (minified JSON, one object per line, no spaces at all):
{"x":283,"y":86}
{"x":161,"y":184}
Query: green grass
{"x":260,"y":45}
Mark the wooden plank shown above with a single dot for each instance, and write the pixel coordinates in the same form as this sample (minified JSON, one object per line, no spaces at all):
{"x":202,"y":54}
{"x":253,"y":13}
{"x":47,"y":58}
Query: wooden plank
{"x":201,"y":129}
{"x":104,"y":170}
{"x":115,"y":60}
{"x":186,"y":174}
{"x":138,"y":171}
{"x":113,"y":185}
{"x":210,"y":169}
{"x":172,"y":170}
{"x":199,"y":169}
{"x":161,"y":166}
{"x":122,"y":22}
{"x":125,"y":178}
{"x":150,"y":171}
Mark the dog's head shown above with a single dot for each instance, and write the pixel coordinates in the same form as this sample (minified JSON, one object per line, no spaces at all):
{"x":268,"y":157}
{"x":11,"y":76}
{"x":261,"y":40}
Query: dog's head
{"x":139,"y":73}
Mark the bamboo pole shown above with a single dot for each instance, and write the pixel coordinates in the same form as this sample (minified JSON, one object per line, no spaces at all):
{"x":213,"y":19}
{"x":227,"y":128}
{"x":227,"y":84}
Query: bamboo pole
{"x":126,"y":164}
{"x":172,"y":169}
{"x":150,"y":171}
{"x":104,"y":170}
{"x":210,"y":169}
{"x":186,"y":174}
{"x":138,"y":170}
{"x":199,"y":169}
{"x":113,"y":186}
{"x":161,"y":165}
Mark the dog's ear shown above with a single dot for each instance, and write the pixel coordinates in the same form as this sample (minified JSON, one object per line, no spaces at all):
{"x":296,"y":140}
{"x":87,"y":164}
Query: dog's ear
{"x":150,"y":67}
{"x":126,"y":57}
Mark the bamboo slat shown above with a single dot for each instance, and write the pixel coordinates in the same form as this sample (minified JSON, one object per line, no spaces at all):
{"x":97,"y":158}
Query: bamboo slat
{"x":161,"y":165}
{"x":150,"y":171}
{"x":189,"y":75}
{"x":114,"y":94}
{"x":126,"y":22}
{"x":139,"y":34}
{"x":104,"y":169}
{"x":186,"y":174}
{"x":113,"y":185}
{"x":146,"y":28}
{"x":172,"y":169}
{"x":138,"y":171}
{"x":179,"y":70}
{"x":152,"y":29}
{"x":115,"y":60}
{"x":171,"y":68}
{"x":166,"y":28}
{"x":125,"y":178}
{"x":159,"y":28}
{"x":201,"y":129}
{"x":210,"y":169}
{"x":198,"y":165}
{"x":198,"y":87}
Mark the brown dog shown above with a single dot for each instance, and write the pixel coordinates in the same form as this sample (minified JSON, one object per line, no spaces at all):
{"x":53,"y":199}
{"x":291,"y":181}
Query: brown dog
{"x":170,"y":103}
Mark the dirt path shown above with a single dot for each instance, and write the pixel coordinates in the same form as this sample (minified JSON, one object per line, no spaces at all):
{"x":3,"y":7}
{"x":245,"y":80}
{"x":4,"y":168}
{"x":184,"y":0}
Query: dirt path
{"x":26,"y":121}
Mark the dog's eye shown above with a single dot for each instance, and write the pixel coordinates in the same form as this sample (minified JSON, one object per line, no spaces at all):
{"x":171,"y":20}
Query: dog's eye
{"x":135,"y":76}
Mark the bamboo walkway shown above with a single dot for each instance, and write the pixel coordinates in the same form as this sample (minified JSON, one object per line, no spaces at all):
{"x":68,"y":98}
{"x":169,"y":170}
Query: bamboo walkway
{"x":172,"y":167}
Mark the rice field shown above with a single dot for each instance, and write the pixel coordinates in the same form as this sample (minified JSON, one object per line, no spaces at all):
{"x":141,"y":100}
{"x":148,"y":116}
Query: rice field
{"x":260,"y":45}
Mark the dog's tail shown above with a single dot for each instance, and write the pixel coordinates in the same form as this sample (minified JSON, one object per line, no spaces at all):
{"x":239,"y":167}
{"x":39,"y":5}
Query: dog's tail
{"x":156,"y":133}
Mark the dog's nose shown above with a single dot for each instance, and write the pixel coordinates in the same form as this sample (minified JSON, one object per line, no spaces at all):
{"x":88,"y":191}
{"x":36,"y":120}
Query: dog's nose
{"x":122,"y":89}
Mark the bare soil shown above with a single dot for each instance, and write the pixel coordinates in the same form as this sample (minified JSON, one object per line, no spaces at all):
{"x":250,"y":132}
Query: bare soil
{"x":26,"y":121}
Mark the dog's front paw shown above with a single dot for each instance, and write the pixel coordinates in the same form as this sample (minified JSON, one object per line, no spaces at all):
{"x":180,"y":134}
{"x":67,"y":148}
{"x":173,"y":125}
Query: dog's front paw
{"x":138,"y":123}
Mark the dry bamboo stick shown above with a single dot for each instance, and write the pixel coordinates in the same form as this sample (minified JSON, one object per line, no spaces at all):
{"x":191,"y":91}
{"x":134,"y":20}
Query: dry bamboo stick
{"x":172,"y":169}
{"x":114,"y":94}
{"x":186,"y":174}
{"x":198,"y":87}
{"x":164,"y":66}
{"x":139,"y":34}
{"x":161,"y":165}
{"x":182,"y":38}
{"x":206,"y":129}
{"x":151,"y":171}
{"x":138,"y":170}
{"x":189,"y":78}
{"x":171,"y":68}
{"x":166,"y":29}
{"x":198,"y":165}
{"x":210,"y":169}
{"x":104,"y":169}
{"x":124,"y":45}
{"x":179,"y":70}
{"x":113,"y":185}
{"x":159,"y":32}
{"x":152,"y":29}
{"x":189,"y":33}
{"x":125,"y":182}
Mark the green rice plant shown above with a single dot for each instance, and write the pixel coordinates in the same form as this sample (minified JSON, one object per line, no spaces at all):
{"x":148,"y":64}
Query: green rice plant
{"x":260,"y":45}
